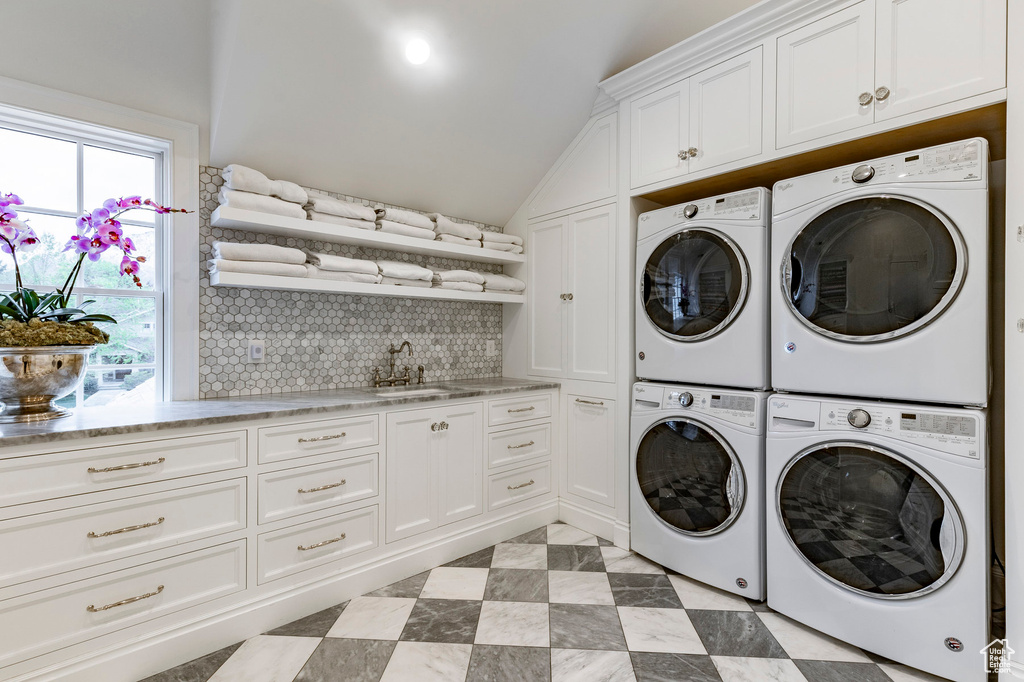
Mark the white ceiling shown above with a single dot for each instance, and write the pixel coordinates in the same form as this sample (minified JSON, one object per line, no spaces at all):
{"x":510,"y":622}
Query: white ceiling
{"x":317,"y":91}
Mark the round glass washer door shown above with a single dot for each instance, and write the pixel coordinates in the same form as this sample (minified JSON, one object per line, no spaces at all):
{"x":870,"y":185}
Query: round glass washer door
{"x":690,"y":477}
{"x":694,"y":284}
{"x":869,"y":520}
{"x":873,"y":268}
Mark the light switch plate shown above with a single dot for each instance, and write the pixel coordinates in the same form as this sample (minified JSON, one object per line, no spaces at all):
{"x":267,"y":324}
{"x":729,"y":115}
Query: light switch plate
{"x":492,"y":349}
{"x":257,"y":351}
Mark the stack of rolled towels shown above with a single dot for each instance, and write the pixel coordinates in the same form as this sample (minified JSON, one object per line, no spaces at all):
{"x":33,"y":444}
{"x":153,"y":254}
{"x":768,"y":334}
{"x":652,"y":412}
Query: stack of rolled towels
{"x":258,"y":259}
{"x":503,"y":283}
{"x":448,"y":231}
{"x":459,"y":280}
{"x":404,"y":274}
{"x":405,"y":223}
{"x":501,"y":242}
{"x":251,"y":190}
{"x":337,"y":212}
{"x":341,"y":269}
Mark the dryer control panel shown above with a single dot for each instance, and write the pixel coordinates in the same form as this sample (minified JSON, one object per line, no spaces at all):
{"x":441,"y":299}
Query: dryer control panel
{"x":735,"y":408}
{"x":956,"y":434}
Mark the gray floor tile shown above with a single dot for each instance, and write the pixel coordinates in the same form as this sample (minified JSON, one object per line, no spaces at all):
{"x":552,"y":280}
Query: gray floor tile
{"x":316,"y":625}
{"x":534,"y":537}
{"x":509,"y":664}
{"x":197,"y":670}
{"x":516,"y":584}
{"x":674,"y":668}
{"x":586,"y":626}
{"x":451,"y":621}
{"x":347,"y":660}
{"x":409,"y":588}
{"x":481,"y":559}
{"x":735,"y":633}
{"x":601,"y":542}
{"x":833,"y":671}
{"x":644,"y":590}
{"x":574,"y":558}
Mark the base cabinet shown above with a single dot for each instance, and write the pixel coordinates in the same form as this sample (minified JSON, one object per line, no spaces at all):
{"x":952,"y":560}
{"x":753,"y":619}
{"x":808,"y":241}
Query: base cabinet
{"x":590,"y":457}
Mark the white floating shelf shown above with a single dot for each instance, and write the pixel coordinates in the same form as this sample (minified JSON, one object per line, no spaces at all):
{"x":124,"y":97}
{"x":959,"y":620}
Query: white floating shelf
{"x":283,"y":226}
{"x":247,"y":281}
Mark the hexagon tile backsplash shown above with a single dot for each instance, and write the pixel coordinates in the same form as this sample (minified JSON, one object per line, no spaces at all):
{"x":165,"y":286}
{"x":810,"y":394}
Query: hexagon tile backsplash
{"x":321,"y":341}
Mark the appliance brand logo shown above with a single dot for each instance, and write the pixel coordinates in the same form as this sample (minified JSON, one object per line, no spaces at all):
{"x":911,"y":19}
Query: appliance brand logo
{"x":638,"y":390}
{"x":780,"y":404}
{"x":783,"y":187}
{"x":971,"y":176}
{"x":644,"y":217}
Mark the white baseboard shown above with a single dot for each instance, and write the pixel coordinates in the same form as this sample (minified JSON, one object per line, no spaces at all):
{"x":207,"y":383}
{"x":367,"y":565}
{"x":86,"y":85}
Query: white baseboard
{"x":600,"y":524}
{"x":136,"y":658}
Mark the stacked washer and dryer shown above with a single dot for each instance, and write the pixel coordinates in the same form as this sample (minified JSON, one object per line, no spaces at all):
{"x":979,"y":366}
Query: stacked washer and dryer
{"x":870,"y":497}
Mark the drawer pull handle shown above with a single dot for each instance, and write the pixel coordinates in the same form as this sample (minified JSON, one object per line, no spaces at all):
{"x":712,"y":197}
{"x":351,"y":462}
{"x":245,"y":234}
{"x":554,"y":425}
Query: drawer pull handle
{"x":321,"y":544}
{"x":524,"y":445}
{"x":324,"y":487}
{"x":521,"y":485}
{"x":136,"y":465}
{"x":320,"y":439}
{"x":589,"y":402}
{"x":130,"y":600}
{"x":522,"y":409}
{"x":126,"y":529}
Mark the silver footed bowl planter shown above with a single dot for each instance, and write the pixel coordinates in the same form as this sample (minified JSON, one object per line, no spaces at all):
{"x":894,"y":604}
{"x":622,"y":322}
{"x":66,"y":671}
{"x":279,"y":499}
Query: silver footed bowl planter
{"x":33,"y":377}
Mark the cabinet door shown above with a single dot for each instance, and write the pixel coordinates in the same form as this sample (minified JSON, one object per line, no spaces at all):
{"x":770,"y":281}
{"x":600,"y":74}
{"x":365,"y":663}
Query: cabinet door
{"x":725,"y":111}
{"x":590,"y":460}
{"x":411,"y":473}
{"x":591,"y":309}
{"x":545,"y":290}
{"x":932,"y":52}
{"x":460,"y":465}
{"x":823,"y":69}
{"x":658,"y":130}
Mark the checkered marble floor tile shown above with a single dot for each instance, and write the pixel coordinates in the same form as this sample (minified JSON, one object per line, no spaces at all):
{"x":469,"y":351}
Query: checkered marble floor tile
{"x":555,"y":604}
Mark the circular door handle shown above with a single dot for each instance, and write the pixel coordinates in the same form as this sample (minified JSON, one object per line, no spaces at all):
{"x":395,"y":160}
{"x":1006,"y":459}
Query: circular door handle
{"x":561,"y":296}
{"x":865,"y":98}
{"x":435,"y":426}
{"x":683,"y":154}
{"x":882,"y":93}
{"x":692,"y":151}
{"x":569,"y":296}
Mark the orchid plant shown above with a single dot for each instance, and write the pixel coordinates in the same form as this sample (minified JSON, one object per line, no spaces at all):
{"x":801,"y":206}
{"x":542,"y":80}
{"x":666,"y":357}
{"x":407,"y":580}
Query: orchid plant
{"x":96,"y":232}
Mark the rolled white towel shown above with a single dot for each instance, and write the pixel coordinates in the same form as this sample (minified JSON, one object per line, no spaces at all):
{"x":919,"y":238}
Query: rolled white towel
{"x":501,"y":238}
{"x":452,"y":239}
{"x":245,"y":179}
{"x":459,"y":276}
{"x":313,"y":272}
{"x":459,"y":286}
{"x":267,"y":253}
{"x":288,"y":191}
{"x":257,"y":268}
{"x":337,"y":207}
{"x":398,"y":270}
{"x":443,"y":225}
{"x":501,"y":246}
{"x":399,"y":215}
{"x":259,"y":202}
{"x":333,"y":263}
{"x":398,"y":281}
{"x":495,"y":282}
{"x":392,"y":227}
{"x":338,"y":220}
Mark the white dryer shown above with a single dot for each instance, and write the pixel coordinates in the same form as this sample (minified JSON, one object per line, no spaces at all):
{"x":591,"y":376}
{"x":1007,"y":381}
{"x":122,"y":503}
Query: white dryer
{"x":702,"y":299}
{"x":877,"y":527}
{"x":880,"y":278}
{"x":697,"y":481}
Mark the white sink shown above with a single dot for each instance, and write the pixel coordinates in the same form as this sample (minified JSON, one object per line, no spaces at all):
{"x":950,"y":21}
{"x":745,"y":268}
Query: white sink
{"x":409,"y":390}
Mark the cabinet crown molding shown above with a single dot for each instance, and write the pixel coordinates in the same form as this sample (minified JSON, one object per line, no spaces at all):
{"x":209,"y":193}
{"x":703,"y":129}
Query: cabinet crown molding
{"x":712,"y":45}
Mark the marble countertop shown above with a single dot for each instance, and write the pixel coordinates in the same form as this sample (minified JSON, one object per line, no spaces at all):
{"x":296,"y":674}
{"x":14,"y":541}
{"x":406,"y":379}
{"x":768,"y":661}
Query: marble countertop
{"x":91,"y":422}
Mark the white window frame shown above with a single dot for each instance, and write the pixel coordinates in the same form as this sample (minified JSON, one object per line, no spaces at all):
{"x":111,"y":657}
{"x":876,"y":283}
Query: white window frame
{"x":38,"y":107}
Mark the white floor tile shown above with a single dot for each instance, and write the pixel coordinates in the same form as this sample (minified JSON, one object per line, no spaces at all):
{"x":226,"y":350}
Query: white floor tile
{"x":455,"y":583}
{"x":659,"y":630}
{"x":901,"y":673}
{"x":373,"y":618}
{"x":697,"y":595}
{"x":267,"y":659}
{"x":618,"y":560}
{"x":738,"y":669}
{"x":511,"y":623}
{"x":577,"y":665}
{"x":579,"y":587}
{"x":428,"y":662}
{"x":803,"y":642}
{"x":507,"y":555}
{"x":561,"y":534}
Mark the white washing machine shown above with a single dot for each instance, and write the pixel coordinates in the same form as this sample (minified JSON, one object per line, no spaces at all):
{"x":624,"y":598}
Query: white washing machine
{"x":696,"y":483}
{"x":702,"y":298}
{"x":877,"y":527}
{"x":879,"y":278}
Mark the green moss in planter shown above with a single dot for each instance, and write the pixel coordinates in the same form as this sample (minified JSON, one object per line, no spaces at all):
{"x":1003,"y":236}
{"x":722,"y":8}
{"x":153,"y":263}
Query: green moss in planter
{"x":49,"y":333}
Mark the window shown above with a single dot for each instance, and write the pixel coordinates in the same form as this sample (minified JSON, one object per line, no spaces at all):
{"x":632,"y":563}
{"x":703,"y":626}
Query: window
{"x":59,"y":175}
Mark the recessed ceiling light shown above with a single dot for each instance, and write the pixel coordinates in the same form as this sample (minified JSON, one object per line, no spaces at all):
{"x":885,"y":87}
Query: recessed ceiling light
{"x":417,"y":51}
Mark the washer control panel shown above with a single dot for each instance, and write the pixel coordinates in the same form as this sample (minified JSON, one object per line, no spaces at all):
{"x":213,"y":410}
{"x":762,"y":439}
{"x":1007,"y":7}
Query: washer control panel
{"x":736,"y":408}
{"x":741,"y":205}
{"x":956,"y":434}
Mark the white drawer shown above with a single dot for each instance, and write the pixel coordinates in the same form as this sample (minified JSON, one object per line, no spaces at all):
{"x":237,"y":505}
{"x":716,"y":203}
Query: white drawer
{"x":55,"y":542}
{"x":278,"y":443}
{"x":517,"y":445}
{"x":42,"y":477}
{"x":290,"y":550}
{"x":305,"y":489}
{"x":51,"y":619}
{"x":519,"y":409}
{"x":518,"y":484}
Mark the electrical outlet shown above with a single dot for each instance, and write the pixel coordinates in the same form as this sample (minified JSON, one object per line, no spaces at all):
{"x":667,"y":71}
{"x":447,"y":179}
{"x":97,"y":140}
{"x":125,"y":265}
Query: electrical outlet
{"x":257,"y":351}
{"x":492,"y":349}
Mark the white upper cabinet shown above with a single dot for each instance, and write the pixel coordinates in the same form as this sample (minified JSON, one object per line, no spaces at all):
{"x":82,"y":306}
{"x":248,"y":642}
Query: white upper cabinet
{"x":725,"y":112}
{"x":586,"y":173}
{"x":545,"y":289}
{"x":659,"y":135}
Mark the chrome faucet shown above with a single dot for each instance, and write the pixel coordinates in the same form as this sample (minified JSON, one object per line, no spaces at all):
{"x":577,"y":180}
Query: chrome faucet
{"x":393,"y":379}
